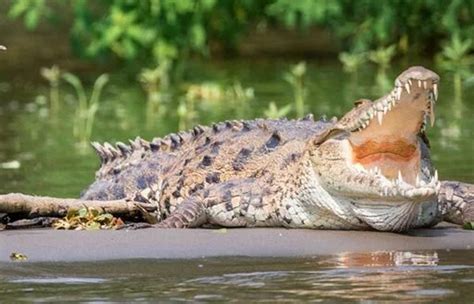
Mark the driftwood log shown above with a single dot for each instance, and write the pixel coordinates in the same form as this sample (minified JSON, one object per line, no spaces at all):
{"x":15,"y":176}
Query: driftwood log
{"x":36,"y":206}
{"x":457,"y":199}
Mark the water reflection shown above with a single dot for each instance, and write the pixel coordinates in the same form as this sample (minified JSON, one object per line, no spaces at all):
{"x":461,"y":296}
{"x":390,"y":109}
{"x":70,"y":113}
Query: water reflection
{"x":378,"y":276}
{"x":395,"y":275}
{"x":385,"y":259}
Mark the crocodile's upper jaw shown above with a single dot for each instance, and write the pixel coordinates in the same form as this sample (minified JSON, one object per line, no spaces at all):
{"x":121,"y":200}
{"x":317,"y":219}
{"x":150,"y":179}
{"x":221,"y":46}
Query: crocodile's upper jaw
{"x":382,"y":142}
{"x":388,"y":136}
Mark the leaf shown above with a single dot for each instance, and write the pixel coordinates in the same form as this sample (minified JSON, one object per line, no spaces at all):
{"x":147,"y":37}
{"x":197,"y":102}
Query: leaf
{"x":92,"y":226}
{"x":18,"y":256}
{"x":105,"y":217}
{"x":82,"y":212}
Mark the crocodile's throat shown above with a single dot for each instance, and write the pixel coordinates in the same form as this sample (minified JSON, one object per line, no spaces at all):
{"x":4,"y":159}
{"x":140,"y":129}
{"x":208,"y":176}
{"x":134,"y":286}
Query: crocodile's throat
{"x":387,"y":139}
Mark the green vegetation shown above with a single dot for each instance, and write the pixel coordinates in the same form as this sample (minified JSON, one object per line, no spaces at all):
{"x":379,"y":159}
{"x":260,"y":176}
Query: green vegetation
{"x":160,"y":37}
{"x":382,"y":57}
{"x":273,"y":112}
{"x":469,"y":226}
{"x":86,"y":218}
{"x":352,"y":62}
{"x":53,"y":76}
{"x":87,"y":107}
{"x":456,"y":59}
{"x":173,"y":30}
{"x":296,"y":78}
{"x":156,"y":83}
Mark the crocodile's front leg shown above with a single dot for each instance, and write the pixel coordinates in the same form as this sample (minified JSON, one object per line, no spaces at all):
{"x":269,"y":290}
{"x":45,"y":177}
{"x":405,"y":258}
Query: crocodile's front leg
{"x":456,"y":202}
{"x":234,"y":203}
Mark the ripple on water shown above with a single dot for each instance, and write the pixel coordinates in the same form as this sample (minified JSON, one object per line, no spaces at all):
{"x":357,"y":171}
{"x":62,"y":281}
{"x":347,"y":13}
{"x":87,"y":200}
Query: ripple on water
{"x":59,"y":280}
{"x":375,"y":276}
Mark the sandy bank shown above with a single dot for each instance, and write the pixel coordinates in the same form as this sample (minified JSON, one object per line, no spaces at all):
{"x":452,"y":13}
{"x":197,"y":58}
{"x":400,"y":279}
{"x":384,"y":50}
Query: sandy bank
{"x":51,"y":245}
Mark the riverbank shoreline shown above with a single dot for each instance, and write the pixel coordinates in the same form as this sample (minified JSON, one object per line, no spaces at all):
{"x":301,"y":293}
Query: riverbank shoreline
{"x":46,"y":245}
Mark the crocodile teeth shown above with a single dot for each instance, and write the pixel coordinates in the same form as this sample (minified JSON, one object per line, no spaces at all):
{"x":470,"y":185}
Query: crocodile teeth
{"x":432,"y":115}
{"x":400,"y":177}
{"x":410,"y":82}
{"x":378,"y":170}
{"x":399,"y":93}
{"x":380,"y":117}
{"x":425,"y":85}
{"x":417,"y":183}
{"x":434,"y":179}
{"x":435,"y":91}
{"x":419,"y":83}
{"x":407,"y":87}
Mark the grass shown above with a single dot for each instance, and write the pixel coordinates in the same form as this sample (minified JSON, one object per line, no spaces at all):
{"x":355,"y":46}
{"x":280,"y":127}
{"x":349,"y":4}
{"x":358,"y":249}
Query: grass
{"x":87,"y":107}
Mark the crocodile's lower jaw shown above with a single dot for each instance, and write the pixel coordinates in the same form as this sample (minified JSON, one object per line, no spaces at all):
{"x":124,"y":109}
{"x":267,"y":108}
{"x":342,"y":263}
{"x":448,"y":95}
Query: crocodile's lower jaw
{"x":396,"y":217}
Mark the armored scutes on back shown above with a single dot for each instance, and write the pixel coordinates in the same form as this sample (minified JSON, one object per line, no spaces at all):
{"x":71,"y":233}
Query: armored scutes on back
{"x":371,"y":169}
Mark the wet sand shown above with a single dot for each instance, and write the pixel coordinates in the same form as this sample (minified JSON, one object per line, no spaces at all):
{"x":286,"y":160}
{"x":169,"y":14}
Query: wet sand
{"x":47,"y":245}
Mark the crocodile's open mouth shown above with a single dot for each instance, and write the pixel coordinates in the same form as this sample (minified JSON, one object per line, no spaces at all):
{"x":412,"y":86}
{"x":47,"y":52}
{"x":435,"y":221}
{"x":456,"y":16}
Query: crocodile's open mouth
{"x":386,"y":138}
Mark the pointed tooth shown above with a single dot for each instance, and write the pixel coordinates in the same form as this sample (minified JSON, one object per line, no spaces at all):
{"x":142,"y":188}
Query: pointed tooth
{"x":410,"y":82}
{"x":380,"y":117}
{"x":419,"y":83}
{"x":425,"y":85}
{"x":407,"y":87}
{"x":399,"y":93}
{"x":435,"y":91}
{"x":435,"y":177}
{"x":417,"y":183}
{"x":400,"y":177}
{"x":385,"y":110}
{"x":432,"y":114}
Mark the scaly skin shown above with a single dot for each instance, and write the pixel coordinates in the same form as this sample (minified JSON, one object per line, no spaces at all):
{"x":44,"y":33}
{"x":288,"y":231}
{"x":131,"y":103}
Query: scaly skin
{"x":300,"y":173}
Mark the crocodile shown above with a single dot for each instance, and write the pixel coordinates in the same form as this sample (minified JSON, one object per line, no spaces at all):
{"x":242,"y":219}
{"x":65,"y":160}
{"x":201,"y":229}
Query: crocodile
{"x":371,"y":169}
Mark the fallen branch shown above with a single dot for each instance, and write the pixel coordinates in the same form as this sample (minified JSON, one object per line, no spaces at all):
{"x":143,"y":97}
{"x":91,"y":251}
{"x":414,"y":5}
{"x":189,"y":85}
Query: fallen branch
{"x":51,"y":206}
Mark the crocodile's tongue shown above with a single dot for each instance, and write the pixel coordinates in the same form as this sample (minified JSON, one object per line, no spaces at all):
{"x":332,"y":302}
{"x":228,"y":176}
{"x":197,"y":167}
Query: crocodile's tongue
{"x":392,"y":145}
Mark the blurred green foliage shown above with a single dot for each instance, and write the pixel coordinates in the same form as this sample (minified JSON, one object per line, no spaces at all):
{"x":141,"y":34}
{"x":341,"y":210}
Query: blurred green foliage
{"x":158,"y":29}
{"x":87,"y":107}
{"x":174,"y":29}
